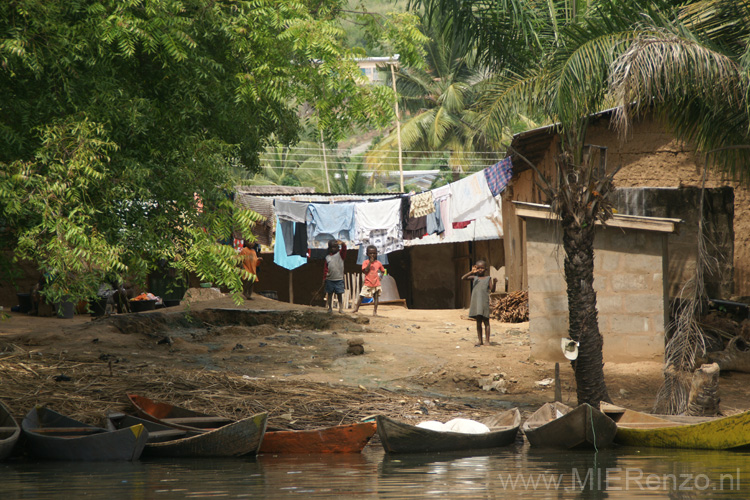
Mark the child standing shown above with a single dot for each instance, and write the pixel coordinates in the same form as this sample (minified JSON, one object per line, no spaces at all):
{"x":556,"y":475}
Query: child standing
{"x":480,"y":298}
{"x":250,"y":263}
{"x":333,"y":273}
{"x":371,"y":287}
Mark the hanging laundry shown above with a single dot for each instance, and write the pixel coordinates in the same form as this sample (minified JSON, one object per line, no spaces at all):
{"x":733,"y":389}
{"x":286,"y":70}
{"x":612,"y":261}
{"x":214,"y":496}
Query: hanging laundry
{"x":280,"y":257}
{"x":498,"y":175}
{"x":287,"y":230}
{"x":442,"y":194}
{"x":421,"y":204}
{"x":377,"y":215}
{"x":434,"y":220}
{"x":471,"y":198}
{"x":461,"y":225}
{"x":326,"y":222}
{"x":293,"y":211}
{"x":299,"y":244}
{"x":415,"y":228}
{"x":379,"y":223}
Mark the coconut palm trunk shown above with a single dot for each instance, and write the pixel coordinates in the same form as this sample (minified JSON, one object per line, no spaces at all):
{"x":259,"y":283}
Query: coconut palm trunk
{"x":578,"y":243}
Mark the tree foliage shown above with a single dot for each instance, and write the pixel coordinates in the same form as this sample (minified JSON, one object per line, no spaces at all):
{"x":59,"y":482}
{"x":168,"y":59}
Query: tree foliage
{"x":122,"y":120}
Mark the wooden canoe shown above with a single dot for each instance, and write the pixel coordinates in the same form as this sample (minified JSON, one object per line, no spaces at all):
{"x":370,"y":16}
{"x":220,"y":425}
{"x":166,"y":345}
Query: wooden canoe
{"x":51,"y":435}
{"x":337,"y":439}
{"x":675,"y":431}
{"x":222,"y":437}
{"x":556,"y":425}
{"x":400,"y":437}
{"x":9,"y":432}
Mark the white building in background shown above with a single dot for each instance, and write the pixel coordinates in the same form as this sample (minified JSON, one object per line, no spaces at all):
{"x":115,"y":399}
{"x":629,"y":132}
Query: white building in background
{"x":369,"y":67}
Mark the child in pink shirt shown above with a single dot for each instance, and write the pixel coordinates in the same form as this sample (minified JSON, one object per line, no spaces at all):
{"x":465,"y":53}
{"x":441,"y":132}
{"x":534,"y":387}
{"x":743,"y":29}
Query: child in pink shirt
{"x":371,"y":268}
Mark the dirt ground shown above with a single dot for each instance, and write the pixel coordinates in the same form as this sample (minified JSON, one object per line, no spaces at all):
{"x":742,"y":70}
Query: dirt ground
{"x":266,"y":354}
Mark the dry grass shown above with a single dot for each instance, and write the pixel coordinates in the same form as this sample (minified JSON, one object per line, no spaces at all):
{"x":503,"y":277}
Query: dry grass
{"x":96,"y":388}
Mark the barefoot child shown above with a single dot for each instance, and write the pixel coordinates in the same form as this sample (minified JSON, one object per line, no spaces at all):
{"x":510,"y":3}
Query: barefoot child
{"x":480,"y":298}
{"x":333,"y":273}
{"x":371,"y":287}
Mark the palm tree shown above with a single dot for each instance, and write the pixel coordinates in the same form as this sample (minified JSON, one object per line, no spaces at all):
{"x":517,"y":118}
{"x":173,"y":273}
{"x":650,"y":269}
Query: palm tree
{"x":691,"y":68}
{"x":438,"y":100}
{"x":684,"y":60}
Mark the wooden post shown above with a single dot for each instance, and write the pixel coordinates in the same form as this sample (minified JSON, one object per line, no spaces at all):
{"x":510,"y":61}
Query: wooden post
{"x":558,"y":386}
{"x":291,"y":288}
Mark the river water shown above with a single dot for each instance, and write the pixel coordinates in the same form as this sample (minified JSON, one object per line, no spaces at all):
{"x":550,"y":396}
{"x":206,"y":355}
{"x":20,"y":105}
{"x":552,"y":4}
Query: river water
{"x":518,"y":472}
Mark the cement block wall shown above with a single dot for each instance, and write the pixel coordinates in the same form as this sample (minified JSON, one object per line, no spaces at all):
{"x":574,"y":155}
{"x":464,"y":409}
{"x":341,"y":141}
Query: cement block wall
{"x":630,"y":286}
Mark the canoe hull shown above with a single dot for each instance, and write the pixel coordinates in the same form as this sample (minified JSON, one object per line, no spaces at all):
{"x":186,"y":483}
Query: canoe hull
{"x":337,"y":439}
{"x":721,"y":433}
{"x":580,"y":427}
{"x":400,"y":437}
{"x":10,"y":431}
{"x":100,"y":445}
{"x":237,"y":439}
{"x":232,"y":439}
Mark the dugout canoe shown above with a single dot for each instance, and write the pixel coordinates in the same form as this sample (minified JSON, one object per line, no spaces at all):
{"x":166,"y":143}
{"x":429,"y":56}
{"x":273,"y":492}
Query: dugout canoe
{"x":223,"y":437}
{"x":635,"y":428}
{"x":10,"y":431}
{"x":400,"y":437}
{"x":556,"y":425}
{"x":350,"y":438}
{"x":165,"y":441}
{"x":53,"y":436}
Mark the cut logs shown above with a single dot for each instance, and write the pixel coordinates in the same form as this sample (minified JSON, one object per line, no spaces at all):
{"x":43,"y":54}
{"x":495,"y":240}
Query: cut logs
{"x":512,"y":308}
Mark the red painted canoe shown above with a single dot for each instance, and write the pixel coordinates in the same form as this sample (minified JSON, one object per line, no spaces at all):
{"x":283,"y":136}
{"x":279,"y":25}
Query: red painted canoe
{"x":337,"y":439}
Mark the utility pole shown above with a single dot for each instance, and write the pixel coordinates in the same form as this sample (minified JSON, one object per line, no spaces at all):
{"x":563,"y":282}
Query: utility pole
{"x":392,"y":64}
{"x":325,"y":163}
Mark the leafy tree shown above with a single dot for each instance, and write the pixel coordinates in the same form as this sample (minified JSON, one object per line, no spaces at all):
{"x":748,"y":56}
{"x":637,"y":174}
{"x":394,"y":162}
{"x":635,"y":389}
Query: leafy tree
{"x":121,"y":122}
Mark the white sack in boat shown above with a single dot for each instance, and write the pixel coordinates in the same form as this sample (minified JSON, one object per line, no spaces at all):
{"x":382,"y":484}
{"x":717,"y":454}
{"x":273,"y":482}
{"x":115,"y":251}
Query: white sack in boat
{"x":466,"y":426}
{"x":433,"y":425}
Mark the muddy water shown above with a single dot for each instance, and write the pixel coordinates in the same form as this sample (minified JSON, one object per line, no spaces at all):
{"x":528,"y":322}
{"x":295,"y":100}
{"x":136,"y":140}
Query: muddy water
{"x":514,"y":473}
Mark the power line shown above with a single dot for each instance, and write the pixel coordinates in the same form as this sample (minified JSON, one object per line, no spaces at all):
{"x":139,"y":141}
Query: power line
{"x":294,"y":169}
{"x":488,"y":153}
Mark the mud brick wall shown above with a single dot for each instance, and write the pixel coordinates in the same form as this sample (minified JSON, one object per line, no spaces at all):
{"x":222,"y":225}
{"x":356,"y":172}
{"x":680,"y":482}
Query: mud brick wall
{"x":629,"y":270}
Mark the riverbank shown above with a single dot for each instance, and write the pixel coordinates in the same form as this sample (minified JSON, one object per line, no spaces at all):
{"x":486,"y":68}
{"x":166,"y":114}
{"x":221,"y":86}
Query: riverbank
{"x":292,"y":361}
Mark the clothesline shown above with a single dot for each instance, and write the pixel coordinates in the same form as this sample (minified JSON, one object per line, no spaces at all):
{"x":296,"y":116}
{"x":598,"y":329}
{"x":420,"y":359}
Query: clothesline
{"x":303,"y":226}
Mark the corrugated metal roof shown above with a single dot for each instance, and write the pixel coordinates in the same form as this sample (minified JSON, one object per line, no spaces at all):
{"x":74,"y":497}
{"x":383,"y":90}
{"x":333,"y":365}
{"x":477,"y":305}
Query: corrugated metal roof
{"x":273,"y":190}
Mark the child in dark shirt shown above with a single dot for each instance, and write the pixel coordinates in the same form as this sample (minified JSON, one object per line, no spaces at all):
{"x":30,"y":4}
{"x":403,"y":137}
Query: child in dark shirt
{"x":333,"y":273}
{"x":480,"y":298}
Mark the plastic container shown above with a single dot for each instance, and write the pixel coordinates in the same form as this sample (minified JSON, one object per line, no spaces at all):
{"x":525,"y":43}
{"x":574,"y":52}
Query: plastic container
{"x":171,"y":303}
{"x":142,"y":305}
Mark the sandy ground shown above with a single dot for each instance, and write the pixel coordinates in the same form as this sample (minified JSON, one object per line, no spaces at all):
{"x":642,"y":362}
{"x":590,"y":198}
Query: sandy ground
{"x":428,"y":353}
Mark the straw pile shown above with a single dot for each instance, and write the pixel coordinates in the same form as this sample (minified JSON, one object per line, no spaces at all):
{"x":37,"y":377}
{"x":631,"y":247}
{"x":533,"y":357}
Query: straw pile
{"x":87,"y":391}
{"x":512,"y":308}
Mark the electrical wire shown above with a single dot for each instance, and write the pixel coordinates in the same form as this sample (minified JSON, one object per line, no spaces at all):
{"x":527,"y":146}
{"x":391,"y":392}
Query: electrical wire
{"x":348,"y":151}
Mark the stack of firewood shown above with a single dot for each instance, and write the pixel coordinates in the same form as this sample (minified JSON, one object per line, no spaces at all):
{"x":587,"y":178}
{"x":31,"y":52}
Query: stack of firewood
{"x":512,"y":308}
